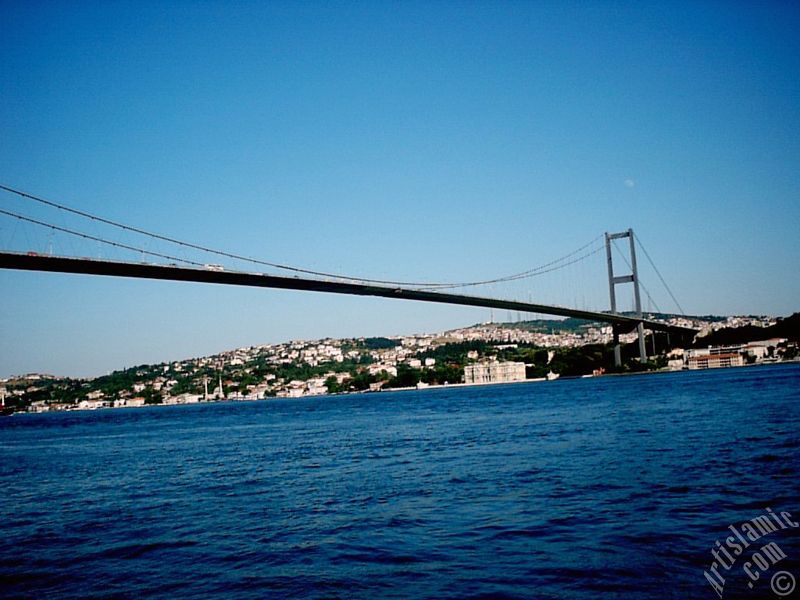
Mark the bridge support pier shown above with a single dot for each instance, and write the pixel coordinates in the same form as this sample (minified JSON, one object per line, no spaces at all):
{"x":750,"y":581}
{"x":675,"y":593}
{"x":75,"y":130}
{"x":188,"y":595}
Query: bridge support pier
{"x":613,"y":282}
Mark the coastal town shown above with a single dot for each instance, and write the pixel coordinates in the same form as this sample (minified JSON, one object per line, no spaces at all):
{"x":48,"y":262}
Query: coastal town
{"x":481,"y":354}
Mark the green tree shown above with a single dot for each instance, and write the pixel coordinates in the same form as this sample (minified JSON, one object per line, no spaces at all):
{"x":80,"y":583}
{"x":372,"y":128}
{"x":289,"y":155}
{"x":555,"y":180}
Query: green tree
{"x":151,"y":396}
{"x":406,"y":377}
{"x":333,"y":385}
{"x":361,"y":380}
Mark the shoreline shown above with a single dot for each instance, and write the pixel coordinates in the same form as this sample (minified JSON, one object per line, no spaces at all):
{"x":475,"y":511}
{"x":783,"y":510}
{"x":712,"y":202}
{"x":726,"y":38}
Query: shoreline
{"x":415,"y":389}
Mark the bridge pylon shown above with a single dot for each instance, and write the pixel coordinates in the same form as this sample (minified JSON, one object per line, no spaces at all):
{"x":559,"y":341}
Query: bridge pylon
{"x":613,"y":281}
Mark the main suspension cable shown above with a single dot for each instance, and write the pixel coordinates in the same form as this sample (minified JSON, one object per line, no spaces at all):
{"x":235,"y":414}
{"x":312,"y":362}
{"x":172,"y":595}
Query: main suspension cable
{"x":655,"y":268}
{"x":527,"y":274}
{"x":545,"y":268}
{"x":98,"y":239}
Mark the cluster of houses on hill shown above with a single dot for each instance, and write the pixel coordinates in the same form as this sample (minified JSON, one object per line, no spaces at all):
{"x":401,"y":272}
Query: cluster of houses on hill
{"x":312,"y":368}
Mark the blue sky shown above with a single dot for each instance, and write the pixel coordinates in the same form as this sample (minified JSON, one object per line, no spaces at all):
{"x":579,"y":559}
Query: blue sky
{"x":433,"y":141}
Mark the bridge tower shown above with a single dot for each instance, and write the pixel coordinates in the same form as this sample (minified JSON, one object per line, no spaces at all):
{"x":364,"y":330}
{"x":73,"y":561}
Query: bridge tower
{"x":614,"y":281}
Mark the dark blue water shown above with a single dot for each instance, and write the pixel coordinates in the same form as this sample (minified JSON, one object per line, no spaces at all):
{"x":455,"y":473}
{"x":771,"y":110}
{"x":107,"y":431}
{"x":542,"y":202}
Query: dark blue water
{"x":607,"y":487}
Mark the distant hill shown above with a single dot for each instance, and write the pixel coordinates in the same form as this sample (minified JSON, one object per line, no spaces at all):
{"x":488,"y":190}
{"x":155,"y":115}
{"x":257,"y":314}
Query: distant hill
{"x":785,"y":328}
{"x":572,"y":324}
{"x":550,"y":325}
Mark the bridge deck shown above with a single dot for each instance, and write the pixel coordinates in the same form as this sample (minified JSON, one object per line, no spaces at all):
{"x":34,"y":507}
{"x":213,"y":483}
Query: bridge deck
{"x":61,"y":264}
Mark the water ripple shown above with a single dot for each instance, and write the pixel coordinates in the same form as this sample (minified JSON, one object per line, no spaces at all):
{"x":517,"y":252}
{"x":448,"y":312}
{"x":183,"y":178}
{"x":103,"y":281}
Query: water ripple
{"x":612,"y":487}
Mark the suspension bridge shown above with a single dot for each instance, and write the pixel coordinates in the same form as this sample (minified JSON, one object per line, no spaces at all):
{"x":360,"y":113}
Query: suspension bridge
{"x":176,"y":266}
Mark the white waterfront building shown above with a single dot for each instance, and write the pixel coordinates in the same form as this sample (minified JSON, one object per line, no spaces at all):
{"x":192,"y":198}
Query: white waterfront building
{"x":494,"y":372}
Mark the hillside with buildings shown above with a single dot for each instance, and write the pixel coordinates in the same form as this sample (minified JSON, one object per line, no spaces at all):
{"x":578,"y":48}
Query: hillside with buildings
{"x":483,"y":353}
